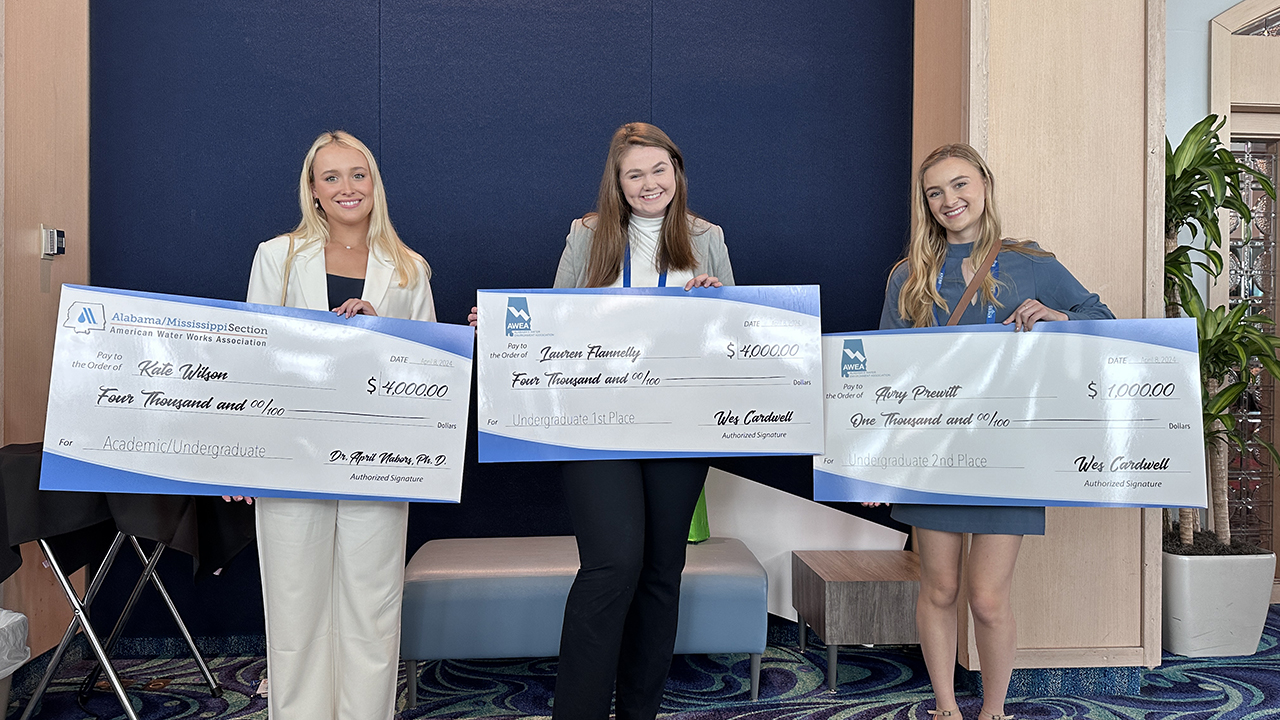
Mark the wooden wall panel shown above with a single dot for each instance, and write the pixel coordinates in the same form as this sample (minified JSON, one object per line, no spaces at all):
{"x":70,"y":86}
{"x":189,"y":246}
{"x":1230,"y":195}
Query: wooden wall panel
{"x":939,"y":76}
{"x":1255,"y":65}
{"x":1066,"y":136}
{"x":1066,"y":139}
{"x":1083,"y":548}
{"x":46,"y":180}
{"x":2,"y":229}
{"x":1066,"y":102}
{"x":1256,"y":124}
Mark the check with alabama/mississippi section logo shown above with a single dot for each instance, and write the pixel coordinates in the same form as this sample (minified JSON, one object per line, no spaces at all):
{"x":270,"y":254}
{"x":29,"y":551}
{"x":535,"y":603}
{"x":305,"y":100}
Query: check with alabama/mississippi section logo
{"x":174,"y":395}
{"x":1090,"y":412}
{"x":597,"y":374}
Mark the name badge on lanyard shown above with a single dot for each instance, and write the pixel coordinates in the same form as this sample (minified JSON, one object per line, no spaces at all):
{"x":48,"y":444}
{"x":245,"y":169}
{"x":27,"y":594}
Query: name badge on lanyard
{"x":662,"y":278}
{"x":991,"y":309}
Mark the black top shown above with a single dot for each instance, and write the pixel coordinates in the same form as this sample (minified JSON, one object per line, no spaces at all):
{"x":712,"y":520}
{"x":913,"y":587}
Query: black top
{"x":342,"y":289}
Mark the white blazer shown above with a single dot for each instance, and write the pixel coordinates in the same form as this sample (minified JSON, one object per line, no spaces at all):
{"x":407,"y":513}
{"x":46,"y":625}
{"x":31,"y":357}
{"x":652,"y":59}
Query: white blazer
{"x":308,"y":286}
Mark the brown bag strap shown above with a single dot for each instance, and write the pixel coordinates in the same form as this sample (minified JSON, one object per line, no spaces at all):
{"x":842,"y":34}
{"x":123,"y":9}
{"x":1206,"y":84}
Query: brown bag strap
{"x":975,"y":283}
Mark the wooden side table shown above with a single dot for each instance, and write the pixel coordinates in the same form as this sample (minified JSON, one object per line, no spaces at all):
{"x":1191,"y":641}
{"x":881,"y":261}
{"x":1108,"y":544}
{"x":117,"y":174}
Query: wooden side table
{"x":853,"y":597}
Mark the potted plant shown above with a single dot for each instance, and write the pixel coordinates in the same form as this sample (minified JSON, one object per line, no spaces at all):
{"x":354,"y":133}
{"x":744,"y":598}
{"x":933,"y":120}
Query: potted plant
{"x":1216,"y":592}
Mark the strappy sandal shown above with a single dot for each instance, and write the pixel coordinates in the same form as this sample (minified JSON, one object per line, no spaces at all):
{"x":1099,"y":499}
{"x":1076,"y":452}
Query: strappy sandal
{"x":993,"y":716}
{"x":944,"y":713}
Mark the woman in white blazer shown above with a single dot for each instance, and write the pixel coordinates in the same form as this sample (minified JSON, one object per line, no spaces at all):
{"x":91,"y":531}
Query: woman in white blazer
{"x":333,"y":570}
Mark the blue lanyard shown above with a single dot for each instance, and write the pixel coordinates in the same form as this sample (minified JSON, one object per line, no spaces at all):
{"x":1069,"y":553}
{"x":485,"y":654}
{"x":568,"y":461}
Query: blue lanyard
{"x":991,"y":309}
{"x":626,"y":271}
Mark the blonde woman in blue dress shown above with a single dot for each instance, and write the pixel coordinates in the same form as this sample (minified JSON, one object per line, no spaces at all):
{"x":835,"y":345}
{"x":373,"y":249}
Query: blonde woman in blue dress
{"x":955,"y":226}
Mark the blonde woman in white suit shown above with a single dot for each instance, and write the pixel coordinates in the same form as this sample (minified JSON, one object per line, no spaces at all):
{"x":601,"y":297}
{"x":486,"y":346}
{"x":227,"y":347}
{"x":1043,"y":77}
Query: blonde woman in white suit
{"x":333,"y":570}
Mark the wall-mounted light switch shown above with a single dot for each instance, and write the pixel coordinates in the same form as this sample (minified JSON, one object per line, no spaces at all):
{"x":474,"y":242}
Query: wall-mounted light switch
{"x":53,"y":242}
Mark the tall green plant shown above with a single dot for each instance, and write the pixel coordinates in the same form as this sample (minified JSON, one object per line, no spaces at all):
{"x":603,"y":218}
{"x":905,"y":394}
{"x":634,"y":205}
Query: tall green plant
{"x":1201,"y":178}
{"x":1230,"y":342}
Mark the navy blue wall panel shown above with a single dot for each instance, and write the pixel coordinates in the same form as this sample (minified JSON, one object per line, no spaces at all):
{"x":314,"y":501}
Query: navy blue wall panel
{"x":795,"y":120}
{"x":496,"y":119}
{"x":491,"y":122}
{"x":200,"y":114}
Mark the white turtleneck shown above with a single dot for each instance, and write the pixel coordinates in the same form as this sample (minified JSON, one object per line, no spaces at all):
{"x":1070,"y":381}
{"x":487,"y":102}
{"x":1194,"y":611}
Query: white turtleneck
{"x":643,"y":234}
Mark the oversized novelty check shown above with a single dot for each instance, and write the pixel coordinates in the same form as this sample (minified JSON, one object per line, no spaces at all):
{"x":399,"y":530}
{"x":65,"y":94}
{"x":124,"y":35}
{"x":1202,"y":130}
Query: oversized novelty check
{"x":649,"y":373}
{"x":166,"y":394}
{"x":1098,"y":412}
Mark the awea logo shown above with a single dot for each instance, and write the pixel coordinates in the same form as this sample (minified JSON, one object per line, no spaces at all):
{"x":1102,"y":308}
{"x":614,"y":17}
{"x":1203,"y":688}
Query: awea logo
{"x":83,"y":317}
{"x":853,"y":359}
{"x":518,"y":320}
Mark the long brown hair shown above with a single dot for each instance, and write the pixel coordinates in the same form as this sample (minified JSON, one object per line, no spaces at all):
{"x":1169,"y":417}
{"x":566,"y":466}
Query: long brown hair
{"x":612,"y":216}
{"x":927,"y":248}
{"x":314,"y":226}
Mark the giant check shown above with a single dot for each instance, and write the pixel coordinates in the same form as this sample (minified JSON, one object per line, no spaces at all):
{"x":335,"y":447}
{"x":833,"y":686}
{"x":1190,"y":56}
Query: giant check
{"x":1099,"y":412}
{"x":649,"y":373}
{"x":165,"y":394}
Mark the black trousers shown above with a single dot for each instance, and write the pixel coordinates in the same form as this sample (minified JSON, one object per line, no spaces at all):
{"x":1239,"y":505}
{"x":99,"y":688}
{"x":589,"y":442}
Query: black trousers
{"x":631,"y":519}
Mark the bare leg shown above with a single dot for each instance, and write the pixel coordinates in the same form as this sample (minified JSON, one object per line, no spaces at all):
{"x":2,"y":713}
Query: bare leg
{"x":936,"y":610}
{"x":990,"y":582}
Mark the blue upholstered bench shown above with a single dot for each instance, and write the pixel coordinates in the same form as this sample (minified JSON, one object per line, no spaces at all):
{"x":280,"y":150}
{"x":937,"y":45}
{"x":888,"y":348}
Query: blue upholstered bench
{"x":504,"y":598}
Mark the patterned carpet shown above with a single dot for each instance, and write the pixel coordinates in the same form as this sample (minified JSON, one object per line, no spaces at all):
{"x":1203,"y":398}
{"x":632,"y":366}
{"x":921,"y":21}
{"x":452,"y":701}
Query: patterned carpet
{"x":886,"y":683}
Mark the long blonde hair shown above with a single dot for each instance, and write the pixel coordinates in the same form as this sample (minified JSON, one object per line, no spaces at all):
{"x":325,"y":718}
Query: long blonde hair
{"x":612,"y":216}
{"x":927,"y":248}
{"x":382,"y":237}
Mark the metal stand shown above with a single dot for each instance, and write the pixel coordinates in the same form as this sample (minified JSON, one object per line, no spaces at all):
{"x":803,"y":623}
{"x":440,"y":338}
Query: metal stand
{"x":81,"y":620}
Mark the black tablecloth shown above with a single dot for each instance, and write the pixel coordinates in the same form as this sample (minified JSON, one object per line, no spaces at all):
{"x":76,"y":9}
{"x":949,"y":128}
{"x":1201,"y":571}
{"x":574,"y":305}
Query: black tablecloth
{"x":80,"y":525}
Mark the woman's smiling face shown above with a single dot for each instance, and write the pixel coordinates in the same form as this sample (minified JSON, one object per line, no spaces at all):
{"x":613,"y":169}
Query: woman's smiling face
{"x":956,"y":194}
{"x":648,"y":180}
{"x":342,"y":184}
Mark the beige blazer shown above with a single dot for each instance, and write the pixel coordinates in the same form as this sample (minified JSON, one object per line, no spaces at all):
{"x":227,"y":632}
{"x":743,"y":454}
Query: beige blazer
{"x":708,"y":248}
{"x":308,"y":286}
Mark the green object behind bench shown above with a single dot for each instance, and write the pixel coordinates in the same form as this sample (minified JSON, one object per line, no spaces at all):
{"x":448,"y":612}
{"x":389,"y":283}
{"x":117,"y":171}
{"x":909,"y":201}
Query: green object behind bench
{"x":700,"y":529}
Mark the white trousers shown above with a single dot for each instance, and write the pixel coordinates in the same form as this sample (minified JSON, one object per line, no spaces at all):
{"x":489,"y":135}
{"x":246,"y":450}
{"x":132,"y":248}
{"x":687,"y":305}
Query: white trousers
{"x":332,"y":584}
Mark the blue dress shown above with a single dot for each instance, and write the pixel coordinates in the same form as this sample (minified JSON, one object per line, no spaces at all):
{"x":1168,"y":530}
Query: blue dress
{"x":1021,"y":277}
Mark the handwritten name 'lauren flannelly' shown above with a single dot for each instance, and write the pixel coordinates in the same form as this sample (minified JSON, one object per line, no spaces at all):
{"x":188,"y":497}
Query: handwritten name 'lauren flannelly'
{"x":593,"y":352}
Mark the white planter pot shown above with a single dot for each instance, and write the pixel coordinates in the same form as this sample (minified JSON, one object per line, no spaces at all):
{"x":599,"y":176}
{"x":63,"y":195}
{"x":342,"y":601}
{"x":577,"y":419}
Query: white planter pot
{"x":1216,"y":605}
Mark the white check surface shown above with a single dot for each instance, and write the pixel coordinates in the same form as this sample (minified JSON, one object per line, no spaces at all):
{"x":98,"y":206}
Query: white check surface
{"x":164,"y":394}
{"x":648,"y":373}
{"x":1100,"y":412}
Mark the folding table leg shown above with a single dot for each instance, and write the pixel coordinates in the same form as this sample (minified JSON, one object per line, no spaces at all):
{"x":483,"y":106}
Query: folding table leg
{"x":92,"y":637}
{"x":214,"y":688}
{"x":149,"y":573}
{"x":86,"y":687}
{"x":94,"y":585}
